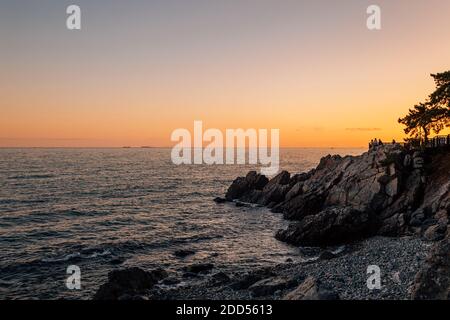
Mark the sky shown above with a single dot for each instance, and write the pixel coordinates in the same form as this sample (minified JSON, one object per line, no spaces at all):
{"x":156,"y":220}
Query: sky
{"x":138,"y":70}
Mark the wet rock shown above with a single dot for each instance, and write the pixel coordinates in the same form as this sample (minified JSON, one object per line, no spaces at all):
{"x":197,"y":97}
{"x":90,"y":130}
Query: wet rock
{"x":329,"y":227}
{"x":274,"y":194}
{"x":117,"y":261}
{"x":242,"y":186}
{"x":248,"y":279}
{"x":417,"y":218}
{"x":240,"y":204}
{"x":432,"y":282}
{"x":326,"y":255}
{"x":269,"y":286}
{"x":311,"y":289}
{"x":170,"y":281}
{"x":435,"y":232}
{"x":310,"y":251}
{"x":219,"y":200}
{"x":188,"y":275}
{"x":199,"y":268}
{"x":131,"y":281}
{"x":220,"y":278}
{"x":294,"y":191}
{"x":392,"y":226}
{"x":182,"y":253}
{"x":391,"y":188}
{"x":303,"y":205}
{"x":282,"y":178}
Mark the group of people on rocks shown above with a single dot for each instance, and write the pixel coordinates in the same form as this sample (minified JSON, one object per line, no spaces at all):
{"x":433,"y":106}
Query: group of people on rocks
{"x":375,"y":143}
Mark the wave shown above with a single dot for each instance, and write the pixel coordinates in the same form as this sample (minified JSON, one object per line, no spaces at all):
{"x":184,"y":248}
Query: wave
{"x":32,"y":176}
{"x":77,"y":255}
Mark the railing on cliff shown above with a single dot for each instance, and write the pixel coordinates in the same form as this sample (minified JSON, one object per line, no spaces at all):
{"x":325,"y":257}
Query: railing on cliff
{"x":435,"y":142}
{"x":438,"y":141}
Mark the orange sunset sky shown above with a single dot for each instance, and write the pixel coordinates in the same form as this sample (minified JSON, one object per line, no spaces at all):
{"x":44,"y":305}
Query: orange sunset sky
{"x":137,"y":70}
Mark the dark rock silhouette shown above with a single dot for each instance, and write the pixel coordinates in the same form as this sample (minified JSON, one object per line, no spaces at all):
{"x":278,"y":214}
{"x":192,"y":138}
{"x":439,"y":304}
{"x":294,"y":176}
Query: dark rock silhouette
{"x":433,"y":280}
{"x":311,"y":289}
{"x":128,"y":284}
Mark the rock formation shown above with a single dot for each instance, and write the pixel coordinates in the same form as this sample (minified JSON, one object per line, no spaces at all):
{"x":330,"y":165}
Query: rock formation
{"x":383,"y":191}
{"x":129,"y":284}
{"x":388,"y":191}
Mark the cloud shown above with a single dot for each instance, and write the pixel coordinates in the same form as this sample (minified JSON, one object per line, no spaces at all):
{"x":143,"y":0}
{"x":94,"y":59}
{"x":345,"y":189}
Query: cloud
{"x":363,"y":129}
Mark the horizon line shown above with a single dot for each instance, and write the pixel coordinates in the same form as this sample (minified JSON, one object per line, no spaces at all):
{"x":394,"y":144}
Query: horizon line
{"x":169,"y":147}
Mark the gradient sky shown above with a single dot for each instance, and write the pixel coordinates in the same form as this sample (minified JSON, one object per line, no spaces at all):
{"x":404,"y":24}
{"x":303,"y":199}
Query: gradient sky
{"x":140,"y":69}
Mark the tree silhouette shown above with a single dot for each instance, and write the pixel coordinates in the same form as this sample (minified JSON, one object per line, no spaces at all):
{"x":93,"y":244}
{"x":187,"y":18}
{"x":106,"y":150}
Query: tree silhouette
{"x":434,"y":114}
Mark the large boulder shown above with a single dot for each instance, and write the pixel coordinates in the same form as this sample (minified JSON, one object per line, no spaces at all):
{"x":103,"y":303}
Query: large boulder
{"x":243,"y":186}
{"x":268,"y":286}
{"x":432,"y":282}
{"x":127,"y":283}
{"x":311,"y":289}
{"x":330,"y":226}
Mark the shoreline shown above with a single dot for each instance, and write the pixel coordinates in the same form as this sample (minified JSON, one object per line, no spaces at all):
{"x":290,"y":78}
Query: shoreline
{"x":387,"y":207}
{"x":342,"y":275}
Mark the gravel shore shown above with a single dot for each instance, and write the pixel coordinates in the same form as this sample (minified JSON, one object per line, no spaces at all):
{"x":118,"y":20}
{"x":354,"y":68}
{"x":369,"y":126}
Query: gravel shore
{"x":344,"y":273}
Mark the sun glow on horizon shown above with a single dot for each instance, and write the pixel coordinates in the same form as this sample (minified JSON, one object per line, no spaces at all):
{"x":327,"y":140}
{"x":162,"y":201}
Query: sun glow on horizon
{"x":137,"y":72}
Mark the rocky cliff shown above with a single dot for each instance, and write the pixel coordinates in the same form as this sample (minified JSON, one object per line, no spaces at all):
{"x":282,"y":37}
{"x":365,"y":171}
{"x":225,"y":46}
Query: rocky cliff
{"x":387,"y":191}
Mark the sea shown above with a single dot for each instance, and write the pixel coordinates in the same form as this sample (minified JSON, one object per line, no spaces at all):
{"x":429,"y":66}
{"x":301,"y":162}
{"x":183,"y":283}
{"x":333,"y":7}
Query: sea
{"x":110,"y":208}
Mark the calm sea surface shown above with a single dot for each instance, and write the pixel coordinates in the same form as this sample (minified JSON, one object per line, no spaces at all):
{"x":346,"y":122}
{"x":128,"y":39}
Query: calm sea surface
{"x":103,"y":209}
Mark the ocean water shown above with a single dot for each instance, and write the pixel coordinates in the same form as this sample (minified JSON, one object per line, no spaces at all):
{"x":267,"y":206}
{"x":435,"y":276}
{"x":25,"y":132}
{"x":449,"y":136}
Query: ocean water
{"x":102,"y":209}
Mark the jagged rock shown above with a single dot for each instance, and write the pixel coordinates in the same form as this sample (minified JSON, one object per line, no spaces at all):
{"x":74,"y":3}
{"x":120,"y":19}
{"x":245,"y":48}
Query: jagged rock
{"x":326,"y":255}
{"x":282,"y":178}
{"x":393,"y":226}
{"x":331,"y":226}
{"x":182,"y":253}
{"x":303,"y":205}
{"x":275,"y":194}
{"x":199,"y":267}
{"x":256,"y":181}
{"x":390,"y":189}
{"x":269,"y":286}
{"x":300,"y":177}
{"x":432,"y":282}
{"x":311,"y":289}
{"x":250,"y":278}
{"x":435,"y":232}
{"x":417,"y":217}
{"x":170,"y":281}
{"x":220,"y":277}
{"x":131,"y":282}
{"x":294,"y":191}
{"x":219,"y":200}
{"x":241,"y":186}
